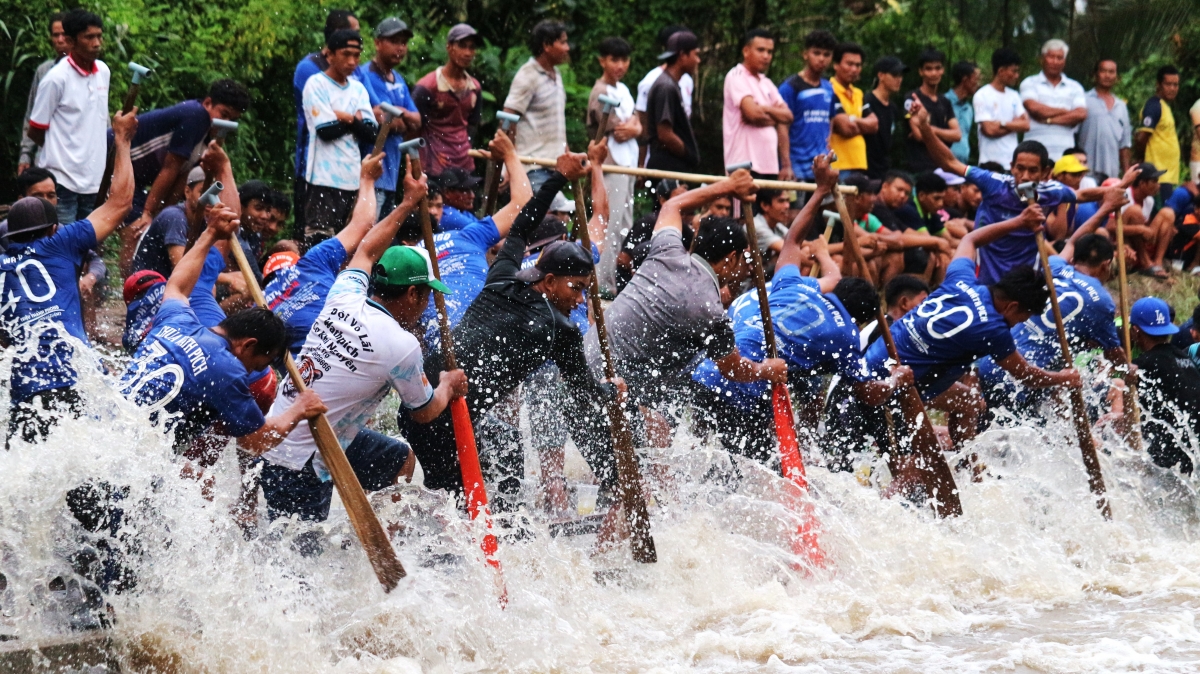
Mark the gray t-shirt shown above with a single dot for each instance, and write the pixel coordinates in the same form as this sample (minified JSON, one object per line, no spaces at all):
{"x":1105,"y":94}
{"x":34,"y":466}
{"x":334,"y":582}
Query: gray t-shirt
{"x":667,"y":319}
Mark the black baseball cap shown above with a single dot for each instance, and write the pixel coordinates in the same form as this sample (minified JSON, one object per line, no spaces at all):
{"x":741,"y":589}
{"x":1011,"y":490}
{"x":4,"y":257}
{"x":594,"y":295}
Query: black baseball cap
{"x":890,"y":65}
{"x":344,"y":37}
{"x":30,"y":214}
{"x":392,"y":26}
{"x":551,"y":229}
{"x":561,"y":258}
{"x":683,"y":41}
{"x":455,"y":178}
{"x":1148,"y":172}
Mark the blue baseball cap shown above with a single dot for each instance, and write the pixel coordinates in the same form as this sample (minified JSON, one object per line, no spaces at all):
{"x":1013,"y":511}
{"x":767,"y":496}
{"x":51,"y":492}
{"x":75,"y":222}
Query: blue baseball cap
{"x":1153,"y":316}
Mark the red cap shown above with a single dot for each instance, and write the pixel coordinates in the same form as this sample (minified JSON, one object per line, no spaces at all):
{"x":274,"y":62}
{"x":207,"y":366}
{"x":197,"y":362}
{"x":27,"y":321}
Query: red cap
{"x":140,"y":282}
{"x":281,"y":260}
{"x":263,"y":390}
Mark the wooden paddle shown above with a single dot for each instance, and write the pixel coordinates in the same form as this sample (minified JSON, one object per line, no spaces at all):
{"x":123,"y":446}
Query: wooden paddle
{"x":928,"y":467}
{"x":464,"y":432}
{"x":374,"y":539}
{"x":491,"y":178}
{"x":1083,"y":427}
{"x":1133,"y":417}
{"x":629,"y":474}
{"x":805,"y":542}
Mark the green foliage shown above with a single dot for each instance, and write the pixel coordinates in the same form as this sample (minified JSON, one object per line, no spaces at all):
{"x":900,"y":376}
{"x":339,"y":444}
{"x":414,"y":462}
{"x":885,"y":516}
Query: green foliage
{"x":259,"y":42}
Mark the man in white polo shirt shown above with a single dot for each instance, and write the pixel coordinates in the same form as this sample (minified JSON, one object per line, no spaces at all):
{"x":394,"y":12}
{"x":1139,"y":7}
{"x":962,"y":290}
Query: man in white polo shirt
{"x":998,"y":110}
{"x":70,"y":117}
{"x":538,"y":96}
{"x":1055,"y":102}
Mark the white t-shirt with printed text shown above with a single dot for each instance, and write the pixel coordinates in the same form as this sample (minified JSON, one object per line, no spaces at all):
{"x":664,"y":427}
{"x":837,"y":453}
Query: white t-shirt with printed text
{"x":72,"y":106}
{"x":354,"y":354}
{"x":333,"y":163}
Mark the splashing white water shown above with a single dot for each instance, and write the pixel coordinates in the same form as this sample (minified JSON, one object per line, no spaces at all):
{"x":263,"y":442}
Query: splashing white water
{"x":1031,"y":578}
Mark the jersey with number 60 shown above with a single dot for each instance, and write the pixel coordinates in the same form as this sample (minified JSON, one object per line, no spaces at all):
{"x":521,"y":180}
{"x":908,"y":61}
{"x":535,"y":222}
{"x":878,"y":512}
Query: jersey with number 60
{"x":940,"y":338}
{"x":1089,"y":316}
{"x":39,"y":299}
{"x":187,"y":371}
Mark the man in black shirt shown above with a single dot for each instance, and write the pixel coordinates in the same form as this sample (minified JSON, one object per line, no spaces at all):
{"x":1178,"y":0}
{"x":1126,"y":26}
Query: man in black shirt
{"x":889,"y":73}
{"x":516,"y":323}
{"x":1169,"y":392}
{"x":672,"y":143}
{"x":931,"y":65}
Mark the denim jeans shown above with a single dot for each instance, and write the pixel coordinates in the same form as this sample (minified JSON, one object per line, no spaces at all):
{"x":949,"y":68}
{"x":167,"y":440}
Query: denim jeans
{"x":73,"y":206}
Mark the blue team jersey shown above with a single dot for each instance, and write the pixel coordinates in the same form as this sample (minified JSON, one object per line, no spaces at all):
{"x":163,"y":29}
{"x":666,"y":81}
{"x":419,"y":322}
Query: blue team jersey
{"x":452,"y":218}
{"x":815,"y":334}
{"x":297,"y":294}
{"x":379,"y":91}
{"x":1082,"y":213}
{"x":179,"y":130}
{"x":812,"y":109}
{"x":188,"y":371}
{"x":39,"y":298}
{"x":1000,"y":202}
{"x":306,"y":68}
{"x":579,"y":315}
{"x":1181,"y":202}
{"x":462,"y":262}
{"x":1089,"y":316}
{"x":940,"y":338}
{"x":139,"y":315}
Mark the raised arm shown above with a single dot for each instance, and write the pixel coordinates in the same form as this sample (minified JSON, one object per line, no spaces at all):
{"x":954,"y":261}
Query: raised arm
{"x":793,"y":241}
{"x":217,"y":167}
{"x":740,"y":184}
{"x":365,"y":206}
{"x":379,"y":239}
{"x":942,"y":156}
{"x":1029,"y":219}
{"x":520,"y":191}
{"x":120,"y":197}
{"x":1114,"y":198}
{"x":221,"y":223}
{"x":598,"y":223}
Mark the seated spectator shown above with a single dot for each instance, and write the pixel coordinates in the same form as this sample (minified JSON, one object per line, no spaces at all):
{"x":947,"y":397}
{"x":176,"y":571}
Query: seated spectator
{"x":927,"y":245}
{"x":163,"y":244}
{"x":771,"y":225}
{"x":1149,"y":226}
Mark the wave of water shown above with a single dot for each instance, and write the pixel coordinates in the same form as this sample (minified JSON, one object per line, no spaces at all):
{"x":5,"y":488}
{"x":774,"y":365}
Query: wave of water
{"x":1031,"y":578}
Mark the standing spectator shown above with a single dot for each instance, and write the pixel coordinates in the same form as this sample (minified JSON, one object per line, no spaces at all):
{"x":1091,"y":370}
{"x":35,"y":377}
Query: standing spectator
{"x":889,"y":74}
{"x":58,"y":42}
{"x":339,"y":118}
{"x":538,"y":96}
{"x":686,"y":87}
{"x":965,"y":76}
{"x":312,"y":64}
{"x":1155,"y":141}
{"x":1194,"y":160}
{"x":168,"y":144}
{"x":451,"y":103}
{"x":385,"y":85}
{"x":672,"y":143}
{"x":70,"y":117}
{"x":755,"y":119}
{"x":998,"y":110}
{"x":852,"y":119}
{"x":1106,"y":134}
{"x":1055,"y":102}
{"x":623,"y":130}
{"x":931,"y":65}
{"x":810,"y":97}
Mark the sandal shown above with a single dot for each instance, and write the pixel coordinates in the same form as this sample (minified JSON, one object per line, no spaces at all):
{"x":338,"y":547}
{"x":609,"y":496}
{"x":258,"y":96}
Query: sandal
{"x":1156,"y":272}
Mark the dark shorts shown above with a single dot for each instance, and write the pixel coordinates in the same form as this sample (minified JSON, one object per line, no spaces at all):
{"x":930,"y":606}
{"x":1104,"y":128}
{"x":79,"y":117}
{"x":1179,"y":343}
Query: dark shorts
{"x":326,"y":212}
{"x":34,"y":419}
{"x":375,"y":458}
{"x":1182,"y":246}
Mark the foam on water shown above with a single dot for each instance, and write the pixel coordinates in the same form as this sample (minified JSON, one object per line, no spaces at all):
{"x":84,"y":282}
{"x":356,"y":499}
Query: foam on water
{"x":1031,"y":578}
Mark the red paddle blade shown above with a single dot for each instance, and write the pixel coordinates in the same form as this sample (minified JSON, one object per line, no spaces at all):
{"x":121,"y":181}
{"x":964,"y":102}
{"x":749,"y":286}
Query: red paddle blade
{"x":805,"y":542}
{"x":473,"y":488}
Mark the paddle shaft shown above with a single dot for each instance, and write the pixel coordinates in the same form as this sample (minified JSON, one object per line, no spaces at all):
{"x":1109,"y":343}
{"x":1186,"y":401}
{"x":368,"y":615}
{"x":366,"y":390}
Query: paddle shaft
{"x":815,"y":272}
{"x":106,"y":181}
{"x":1132,"y":415}
{"x":629,"y":474}
{"x":380,"y":553}
{"x":935,"y":473}
{"x":1083,"y":427}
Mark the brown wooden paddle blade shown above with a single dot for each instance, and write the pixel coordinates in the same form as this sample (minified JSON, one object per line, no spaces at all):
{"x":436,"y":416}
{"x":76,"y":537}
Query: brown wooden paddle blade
{"x":1087,"y":448}
{"x":629,"y":477}
{"x":928,"y":466}
{"x":384,"y":561}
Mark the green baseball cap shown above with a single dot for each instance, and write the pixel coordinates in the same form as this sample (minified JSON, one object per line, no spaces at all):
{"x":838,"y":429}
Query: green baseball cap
{"x":406,"y":266}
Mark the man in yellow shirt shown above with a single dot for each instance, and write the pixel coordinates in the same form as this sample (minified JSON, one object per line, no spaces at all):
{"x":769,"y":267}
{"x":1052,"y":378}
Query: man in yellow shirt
{"x":1156,"y":141}
{"x":851,"y":118}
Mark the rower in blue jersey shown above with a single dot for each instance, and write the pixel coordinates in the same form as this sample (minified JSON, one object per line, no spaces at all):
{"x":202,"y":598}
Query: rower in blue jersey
{"x":816,"y":325}
{"x":964,"y":320}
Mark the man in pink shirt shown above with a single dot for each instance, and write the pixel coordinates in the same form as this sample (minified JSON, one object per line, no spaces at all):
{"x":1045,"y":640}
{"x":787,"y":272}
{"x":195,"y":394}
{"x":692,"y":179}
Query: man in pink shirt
{"x":756,"y":120}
